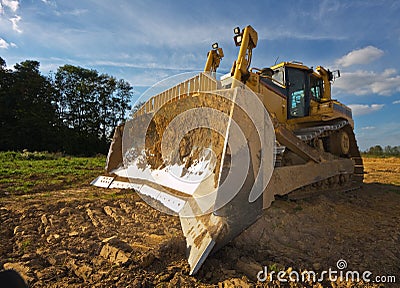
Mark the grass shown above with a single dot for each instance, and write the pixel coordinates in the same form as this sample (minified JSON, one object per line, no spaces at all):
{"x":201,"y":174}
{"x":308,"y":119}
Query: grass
{"x":35,"y":172}
{"x":25,"y":244}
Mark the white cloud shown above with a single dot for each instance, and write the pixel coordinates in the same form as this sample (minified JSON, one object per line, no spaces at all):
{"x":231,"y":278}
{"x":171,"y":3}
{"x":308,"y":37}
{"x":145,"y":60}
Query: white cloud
{"x":11,"y":4}
{"x":4,"y":44}
{"x":362,"y":109}
{"x":15,"y":20}
{"x":9,"y":8}
{"x":51,"y":3}
{"x":78,"y":12}
{"x":368,"y":128}
{"x":360,"y":56}
{"x":363,"y":82}
{"x":396,"y":102}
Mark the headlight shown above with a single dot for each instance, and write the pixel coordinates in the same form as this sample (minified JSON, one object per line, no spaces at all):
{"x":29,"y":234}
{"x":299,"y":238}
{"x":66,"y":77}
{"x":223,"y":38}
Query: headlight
{"x":238,"y":40}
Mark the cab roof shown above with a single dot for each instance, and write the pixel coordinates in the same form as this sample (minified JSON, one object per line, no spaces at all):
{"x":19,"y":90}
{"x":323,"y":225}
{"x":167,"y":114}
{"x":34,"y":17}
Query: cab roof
{"x":296,"y":65}
{"x":293,"y":64}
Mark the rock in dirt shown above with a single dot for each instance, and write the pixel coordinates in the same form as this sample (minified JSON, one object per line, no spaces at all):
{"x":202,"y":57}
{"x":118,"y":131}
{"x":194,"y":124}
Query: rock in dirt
{"x":108,"y":239}
{"x":52,"y":238}
{"x":91,"y":216}
{"x":73,"y":233}
{"x":111,"y":212}
{"x":83,"y":271}
{"x":249,"y":267}
{"x":44,"y":220}
{"x":18,"y":229}
{"x":147,"y":259}
{"x":114,"y":255}
{"x":233,"y":283}
{"x":47,"y":273}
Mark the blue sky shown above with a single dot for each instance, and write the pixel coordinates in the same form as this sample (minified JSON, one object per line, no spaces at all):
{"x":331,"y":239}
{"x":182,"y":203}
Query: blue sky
{"x":145,"y":41}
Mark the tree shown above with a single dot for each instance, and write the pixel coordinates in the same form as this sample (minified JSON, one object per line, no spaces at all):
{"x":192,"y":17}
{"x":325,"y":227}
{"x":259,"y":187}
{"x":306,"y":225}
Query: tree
{"x":113,"y":97}
{"x":392,"y":151}
{"x":387,"y":151}
{"x":2,"y":64}
{"x":375,"y":150}
{"x":28,"y":114}
{"x":5,"y":104}
{"x":91,"y":104}
{"x":74,"y":110}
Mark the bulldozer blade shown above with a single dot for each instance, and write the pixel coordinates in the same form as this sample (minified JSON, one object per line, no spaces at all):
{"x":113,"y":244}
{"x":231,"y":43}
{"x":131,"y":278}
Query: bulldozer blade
{"x":199,"y":240}
{"x":206,"y":234}
{"x":206,"y":158}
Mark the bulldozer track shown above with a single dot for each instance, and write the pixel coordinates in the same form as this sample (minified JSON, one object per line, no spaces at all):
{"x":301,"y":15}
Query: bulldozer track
{"x":308,"y":134}
{"x":340,"y":182}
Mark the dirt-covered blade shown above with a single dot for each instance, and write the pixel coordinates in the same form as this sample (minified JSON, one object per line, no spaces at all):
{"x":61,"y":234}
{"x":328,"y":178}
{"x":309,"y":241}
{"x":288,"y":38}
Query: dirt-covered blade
{"x":203,"y":155}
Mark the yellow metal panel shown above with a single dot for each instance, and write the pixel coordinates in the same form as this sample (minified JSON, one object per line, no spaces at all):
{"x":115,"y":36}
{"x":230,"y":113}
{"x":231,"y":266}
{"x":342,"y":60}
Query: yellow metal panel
{"x":274,"y":103}
{"x":290,"y":64}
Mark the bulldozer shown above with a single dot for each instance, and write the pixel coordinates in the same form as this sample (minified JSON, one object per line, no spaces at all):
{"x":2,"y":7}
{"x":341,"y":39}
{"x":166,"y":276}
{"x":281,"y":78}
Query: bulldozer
{"x":216,"y":151}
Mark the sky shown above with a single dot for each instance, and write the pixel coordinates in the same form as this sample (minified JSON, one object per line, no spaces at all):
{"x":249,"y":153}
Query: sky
{"x":144,"y":42}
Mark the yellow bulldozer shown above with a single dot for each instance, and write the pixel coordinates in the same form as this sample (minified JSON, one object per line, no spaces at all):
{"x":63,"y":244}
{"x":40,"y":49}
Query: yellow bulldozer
{"x":216,"y":151}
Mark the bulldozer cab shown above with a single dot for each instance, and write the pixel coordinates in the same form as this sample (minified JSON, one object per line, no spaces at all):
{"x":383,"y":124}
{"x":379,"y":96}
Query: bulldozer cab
{"x":300,"y":85}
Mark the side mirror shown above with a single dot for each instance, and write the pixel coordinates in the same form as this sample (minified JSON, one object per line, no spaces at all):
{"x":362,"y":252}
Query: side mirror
{"x":267,"y":72}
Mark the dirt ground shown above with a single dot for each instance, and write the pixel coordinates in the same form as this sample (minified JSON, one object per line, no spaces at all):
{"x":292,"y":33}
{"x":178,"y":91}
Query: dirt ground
{"x":91,"y":237}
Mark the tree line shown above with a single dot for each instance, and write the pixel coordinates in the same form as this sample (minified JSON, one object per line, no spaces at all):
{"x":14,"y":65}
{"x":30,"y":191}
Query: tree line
{"x":73,"y":110}
{"x":377,"y":150}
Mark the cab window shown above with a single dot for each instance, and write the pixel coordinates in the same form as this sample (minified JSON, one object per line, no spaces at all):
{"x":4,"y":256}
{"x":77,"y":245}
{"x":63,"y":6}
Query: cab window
{"x":278,"y":77}
{"x":315,"y":88}
{"x":296,"y":95}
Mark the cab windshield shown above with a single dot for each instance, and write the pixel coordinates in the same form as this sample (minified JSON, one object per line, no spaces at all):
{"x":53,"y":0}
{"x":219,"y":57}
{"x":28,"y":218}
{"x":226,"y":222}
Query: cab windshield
{"x":296,"y":97}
